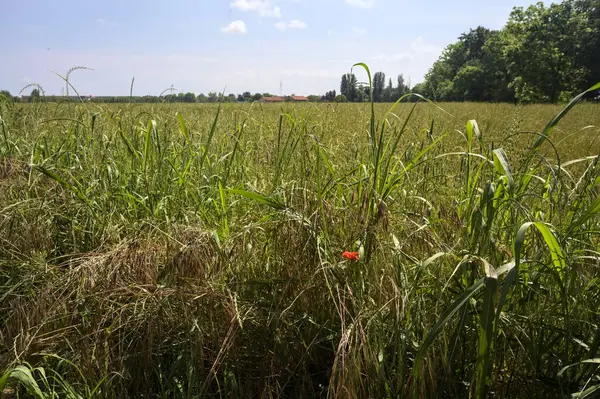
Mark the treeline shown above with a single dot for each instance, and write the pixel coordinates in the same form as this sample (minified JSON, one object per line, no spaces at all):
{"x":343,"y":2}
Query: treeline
{"x":543,"y":54}
{"x":211,"y":97}
{"x":353,"y":91}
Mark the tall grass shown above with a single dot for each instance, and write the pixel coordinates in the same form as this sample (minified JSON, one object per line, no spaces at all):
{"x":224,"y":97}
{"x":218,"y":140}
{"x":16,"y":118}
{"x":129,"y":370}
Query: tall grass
{"x":196,"y":251}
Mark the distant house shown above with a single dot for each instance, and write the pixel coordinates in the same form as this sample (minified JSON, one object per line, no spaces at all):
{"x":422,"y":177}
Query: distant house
{"x":273,"y":99}
{"x":299,"y":98}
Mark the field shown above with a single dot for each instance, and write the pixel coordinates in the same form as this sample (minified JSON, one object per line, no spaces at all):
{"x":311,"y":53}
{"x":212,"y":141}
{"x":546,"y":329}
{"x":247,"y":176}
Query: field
{"x":175,"y":250}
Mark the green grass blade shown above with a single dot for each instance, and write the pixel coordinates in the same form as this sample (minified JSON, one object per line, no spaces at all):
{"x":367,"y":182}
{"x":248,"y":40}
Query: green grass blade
{"x":486,"y":333}
{"x":259,"y":198}
{"x":211,"y":134}
{"x":437,"y":329}
{"x":592,"y":211}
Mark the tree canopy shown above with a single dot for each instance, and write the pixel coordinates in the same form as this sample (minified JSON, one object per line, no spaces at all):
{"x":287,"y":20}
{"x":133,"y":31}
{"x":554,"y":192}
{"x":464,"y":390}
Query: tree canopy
{"x":543,"y":54}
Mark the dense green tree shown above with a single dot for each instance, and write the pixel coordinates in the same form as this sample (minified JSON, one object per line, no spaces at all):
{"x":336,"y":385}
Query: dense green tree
{"x":256,"y":97}
{"x":367,"y":92}
{"x":34,"y":96}
{"x":212,"y":97}
{"x":540,"y":45}
{"x":360,"y":95}
{"x":201,"y":98}
{"x":388,"y":92}
{"x":189,"y":98}
{"x":543,"y":54}
{"x":329,"y":96}
{"x":586,"y":19}
{"x":467,"y":53}
{"x":419,"y":88}
{"x":352,"y":88}
{"x":402,"y":89}
{"x":344,"y":88}
{"x":378,"y":86}
{"x":340,"y":98}
{"x":348,"y":87}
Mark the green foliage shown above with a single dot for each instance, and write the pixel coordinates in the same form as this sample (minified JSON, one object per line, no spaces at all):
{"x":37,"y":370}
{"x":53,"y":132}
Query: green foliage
{"x":34,"y":96}
{"x":189,"y":98}
{"x":543,"y":54}
{"x":378,"y":86}
{"x":348,"y":87}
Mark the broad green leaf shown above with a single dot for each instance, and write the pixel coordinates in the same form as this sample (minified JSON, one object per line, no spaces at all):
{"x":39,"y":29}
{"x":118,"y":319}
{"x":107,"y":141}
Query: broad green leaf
{"x":503,"y":167}
{"x":23,"y":374}
{"x":558,"y":259}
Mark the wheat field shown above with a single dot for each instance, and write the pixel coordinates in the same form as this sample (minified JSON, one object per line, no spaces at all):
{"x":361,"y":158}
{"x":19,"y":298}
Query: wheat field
{"x":172,"y":250}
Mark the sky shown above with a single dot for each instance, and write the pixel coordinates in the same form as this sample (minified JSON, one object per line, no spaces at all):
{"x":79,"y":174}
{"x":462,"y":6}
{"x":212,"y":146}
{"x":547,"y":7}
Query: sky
{"x":303,"y":46}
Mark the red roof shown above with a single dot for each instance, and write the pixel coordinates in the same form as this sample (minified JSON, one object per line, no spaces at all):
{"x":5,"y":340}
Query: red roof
{"x":274,"y":99}
{"x":299,"y":98}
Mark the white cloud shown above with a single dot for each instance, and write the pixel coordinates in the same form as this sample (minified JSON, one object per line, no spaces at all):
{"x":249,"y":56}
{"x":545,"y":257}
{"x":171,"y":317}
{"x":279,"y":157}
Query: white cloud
{"x":358,"y":32}
{"x":361,"y":3}
{"x":293,"y":24}
{"x":103,"y":21}
{"x":234,"y":27}
{"x":419,"y":46}
{"x":264,"y":8}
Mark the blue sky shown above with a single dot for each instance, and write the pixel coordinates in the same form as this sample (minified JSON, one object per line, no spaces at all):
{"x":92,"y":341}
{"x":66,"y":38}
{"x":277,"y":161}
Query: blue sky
{"x":236,"y":45}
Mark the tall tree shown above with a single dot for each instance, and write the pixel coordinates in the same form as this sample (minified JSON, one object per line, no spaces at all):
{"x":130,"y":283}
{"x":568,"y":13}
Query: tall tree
{"x":586,"y":19}
{"x":189,"y":98}
{"x":543,"y":54}
{"x":542,"y":46}
{"x":402,"y":89}
{"x":348,"y":87}
{"x":388,"y":92}
{"x":34,"y":96}
{"x":344,"y":88}
{"x":378,"y":86}
{"x":352,"y":83}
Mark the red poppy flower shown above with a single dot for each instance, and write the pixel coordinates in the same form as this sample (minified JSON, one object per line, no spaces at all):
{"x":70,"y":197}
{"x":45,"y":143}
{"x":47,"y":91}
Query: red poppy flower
{"x":350,"y":255}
